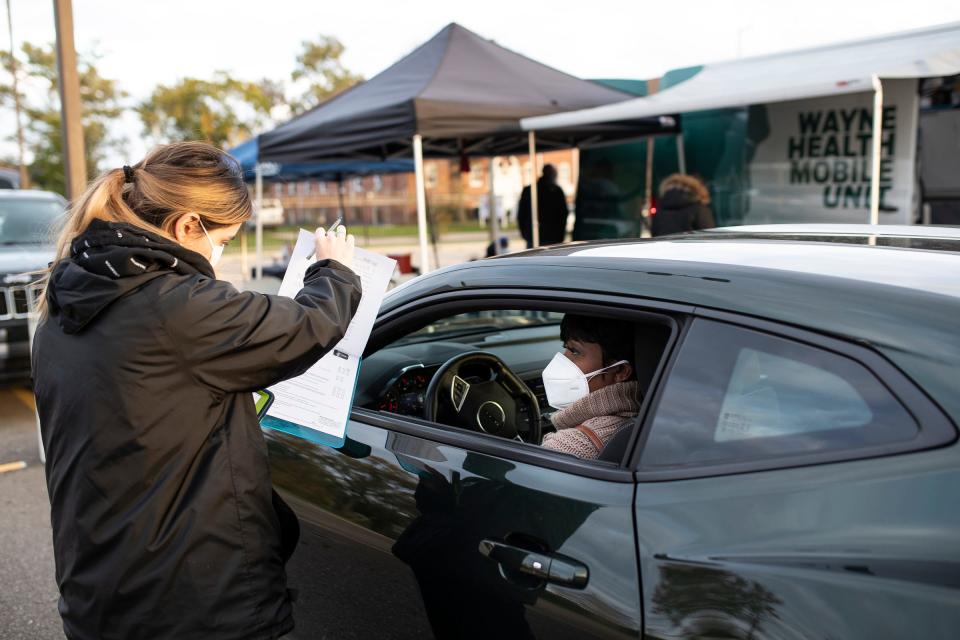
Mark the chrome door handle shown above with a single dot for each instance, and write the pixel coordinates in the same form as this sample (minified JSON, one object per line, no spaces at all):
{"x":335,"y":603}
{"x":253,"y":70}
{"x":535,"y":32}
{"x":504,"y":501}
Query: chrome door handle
{"x":550,"y":567}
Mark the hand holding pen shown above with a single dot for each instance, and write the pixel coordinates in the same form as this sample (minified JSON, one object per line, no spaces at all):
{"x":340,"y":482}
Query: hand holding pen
{"x":335,"y":244}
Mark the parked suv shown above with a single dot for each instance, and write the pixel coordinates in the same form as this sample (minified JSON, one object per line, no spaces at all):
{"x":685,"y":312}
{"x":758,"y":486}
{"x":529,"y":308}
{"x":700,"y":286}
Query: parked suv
{"x":26,"y":246}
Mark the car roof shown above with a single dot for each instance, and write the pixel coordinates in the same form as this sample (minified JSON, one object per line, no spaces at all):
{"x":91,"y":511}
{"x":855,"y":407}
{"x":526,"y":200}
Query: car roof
{"x":933,"y":271}
{"x":919,"y":258}
{"x":753,"y":267}
{"x":863,"y":230}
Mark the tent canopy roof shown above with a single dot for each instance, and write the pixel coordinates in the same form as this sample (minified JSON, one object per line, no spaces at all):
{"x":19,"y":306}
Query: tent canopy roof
{"x":794,"y":75}
{"x":247,"y":154}
{"x":461,"y":92}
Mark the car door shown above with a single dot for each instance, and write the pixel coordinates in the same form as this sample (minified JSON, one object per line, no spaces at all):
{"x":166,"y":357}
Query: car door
{"x":415,"y":530}
{"x":791,"y":487}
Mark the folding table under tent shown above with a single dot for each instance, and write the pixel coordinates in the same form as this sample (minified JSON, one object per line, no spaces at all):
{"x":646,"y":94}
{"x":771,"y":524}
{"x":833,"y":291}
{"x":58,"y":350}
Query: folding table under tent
{"x":847,"y":67}
{"x":457,"y":95}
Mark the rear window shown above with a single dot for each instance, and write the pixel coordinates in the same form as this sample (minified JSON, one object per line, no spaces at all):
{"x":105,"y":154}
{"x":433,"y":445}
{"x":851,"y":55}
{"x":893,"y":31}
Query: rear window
{"x":772,"y":396}
{"x":739,"y":395}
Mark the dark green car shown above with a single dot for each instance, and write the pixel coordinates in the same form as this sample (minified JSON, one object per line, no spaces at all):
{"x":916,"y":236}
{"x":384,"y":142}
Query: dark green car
{"x":793,"y":471}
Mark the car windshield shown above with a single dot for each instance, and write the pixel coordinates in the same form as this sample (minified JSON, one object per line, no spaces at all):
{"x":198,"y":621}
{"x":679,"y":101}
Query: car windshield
{"x":480,"y":322}
{"x":28,"y":220}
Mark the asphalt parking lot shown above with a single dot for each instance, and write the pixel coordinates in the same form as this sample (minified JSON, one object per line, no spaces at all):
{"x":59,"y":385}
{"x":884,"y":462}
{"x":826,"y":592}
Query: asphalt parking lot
{"x":28,"y":594}
{"x":28,"y":589}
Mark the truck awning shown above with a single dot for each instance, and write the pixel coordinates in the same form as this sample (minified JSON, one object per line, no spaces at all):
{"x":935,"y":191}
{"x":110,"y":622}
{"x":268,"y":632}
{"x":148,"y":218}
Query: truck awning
{"x":794,"y":75}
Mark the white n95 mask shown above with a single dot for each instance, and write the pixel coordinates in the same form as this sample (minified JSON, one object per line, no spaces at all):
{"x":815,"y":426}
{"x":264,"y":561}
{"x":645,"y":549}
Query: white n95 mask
{"x":565,"y":383}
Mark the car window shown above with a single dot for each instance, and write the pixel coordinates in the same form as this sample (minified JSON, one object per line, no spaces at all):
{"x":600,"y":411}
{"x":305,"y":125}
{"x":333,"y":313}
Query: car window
{"x":395,"y":378}
{"x":738,"y":395}
{"x":464,"y":325}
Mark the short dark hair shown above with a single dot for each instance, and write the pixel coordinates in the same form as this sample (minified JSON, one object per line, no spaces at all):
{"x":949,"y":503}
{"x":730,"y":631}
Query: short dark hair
{"x":615,"y":337}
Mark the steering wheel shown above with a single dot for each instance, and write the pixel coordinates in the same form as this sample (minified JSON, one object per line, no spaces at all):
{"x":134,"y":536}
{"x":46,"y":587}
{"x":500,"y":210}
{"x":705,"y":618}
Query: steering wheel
{"x":491,"y":405}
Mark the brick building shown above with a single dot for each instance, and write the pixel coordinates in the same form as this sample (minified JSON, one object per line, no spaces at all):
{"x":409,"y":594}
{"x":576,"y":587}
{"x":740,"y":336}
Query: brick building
{"x":451,"y":195}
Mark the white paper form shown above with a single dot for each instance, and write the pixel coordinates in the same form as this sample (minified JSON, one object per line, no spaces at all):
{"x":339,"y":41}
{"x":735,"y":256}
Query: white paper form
{"x":320,"y":399}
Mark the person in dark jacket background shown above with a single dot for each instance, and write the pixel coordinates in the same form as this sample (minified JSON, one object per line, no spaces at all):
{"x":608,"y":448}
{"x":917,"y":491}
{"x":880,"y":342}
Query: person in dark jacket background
{"x":551,"y":210}
{"x":164,"y":521}
{"x":683,"y":205}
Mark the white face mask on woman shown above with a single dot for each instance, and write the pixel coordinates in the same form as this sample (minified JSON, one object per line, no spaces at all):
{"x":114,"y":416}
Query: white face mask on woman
{"x":565,"y":383}
{"x":216,"y":250}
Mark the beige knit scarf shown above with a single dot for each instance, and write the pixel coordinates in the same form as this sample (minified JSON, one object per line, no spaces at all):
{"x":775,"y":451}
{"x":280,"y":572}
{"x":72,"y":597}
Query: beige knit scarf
{"x":604,"y":408}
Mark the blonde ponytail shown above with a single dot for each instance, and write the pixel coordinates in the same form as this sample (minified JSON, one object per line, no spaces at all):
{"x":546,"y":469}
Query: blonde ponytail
{"x":171,"y":181}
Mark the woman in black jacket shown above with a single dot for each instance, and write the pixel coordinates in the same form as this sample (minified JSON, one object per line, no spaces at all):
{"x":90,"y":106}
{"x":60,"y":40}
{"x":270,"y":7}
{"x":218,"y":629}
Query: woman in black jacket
{"x":683,"y":205}
{"x":164,"y":521}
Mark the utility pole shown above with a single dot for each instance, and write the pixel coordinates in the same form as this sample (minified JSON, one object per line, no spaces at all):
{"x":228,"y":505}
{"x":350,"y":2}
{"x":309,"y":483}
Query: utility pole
{"x":75,"y":168}
{"x":24,"y":178}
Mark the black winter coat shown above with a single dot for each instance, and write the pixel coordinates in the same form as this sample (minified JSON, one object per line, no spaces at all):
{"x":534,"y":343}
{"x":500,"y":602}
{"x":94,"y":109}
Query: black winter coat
{"x":679,"y":210}
{"x":164,"y":523}
{"x":551,"y":212}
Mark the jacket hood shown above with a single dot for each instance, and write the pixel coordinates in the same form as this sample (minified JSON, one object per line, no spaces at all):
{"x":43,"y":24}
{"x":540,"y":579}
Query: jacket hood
{"x":678,"y":198}
{"x":108,"y":261}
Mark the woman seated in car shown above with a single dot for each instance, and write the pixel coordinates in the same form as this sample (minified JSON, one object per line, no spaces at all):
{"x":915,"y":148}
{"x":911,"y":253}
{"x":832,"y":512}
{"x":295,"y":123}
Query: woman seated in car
{"x":592,"y":383}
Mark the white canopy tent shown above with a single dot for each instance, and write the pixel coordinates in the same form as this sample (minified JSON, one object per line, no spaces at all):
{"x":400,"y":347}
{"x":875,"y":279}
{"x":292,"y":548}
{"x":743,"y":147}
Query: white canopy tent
{"x":849,"y":67}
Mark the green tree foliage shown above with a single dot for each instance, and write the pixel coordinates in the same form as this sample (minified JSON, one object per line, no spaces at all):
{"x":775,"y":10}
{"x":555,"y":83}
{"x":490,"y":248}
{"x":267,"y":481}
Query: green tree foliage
{"x":319,"y":65}
{"x":101,"y":100}
{"x":223,"y":111}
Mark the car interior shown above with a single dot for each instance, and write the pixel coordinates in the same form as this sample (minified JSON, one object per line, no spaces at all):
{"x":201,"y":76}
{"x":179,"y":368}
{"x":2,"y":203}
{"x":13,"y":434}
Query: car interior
{"x":460,"y":370}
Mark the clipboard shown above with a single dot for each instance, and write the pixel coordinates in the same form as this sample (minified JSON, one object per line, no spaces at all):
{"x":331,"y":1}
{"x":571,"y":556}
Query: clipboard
{"x":316,"y":405}
{"x":301,"y":431}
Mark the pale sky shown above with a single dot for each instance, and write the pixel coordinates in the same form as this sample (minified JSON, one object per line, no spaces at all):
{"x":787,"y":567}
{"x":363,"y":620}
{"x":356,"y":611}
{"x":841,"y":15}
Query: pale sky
{"x":147,"y":42}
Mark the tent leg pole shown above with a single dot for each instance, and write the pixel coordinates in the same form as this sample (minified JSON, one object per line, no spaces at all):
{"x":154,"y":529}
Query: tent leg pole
{"x":576,"y":166}
{"x":534,"y":196}
{"x":648,"y":186}
{"x":681,"y":155}
{"x":494,"y":220}
{"x":259,"y":207}
{"x":421,"y":202}
{"x":877,"y":146}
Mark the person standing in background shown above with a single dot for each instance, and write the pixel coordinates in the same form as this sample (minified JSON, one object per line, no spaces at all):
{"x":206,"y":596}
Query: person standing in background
{"x":552,"y":210}
{"x":683,"y":205}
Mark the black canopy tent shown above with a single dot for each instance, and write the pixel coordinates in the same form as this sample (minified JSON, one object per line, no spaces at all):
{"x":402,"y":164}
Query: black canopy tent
{"x":456,"y":95}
